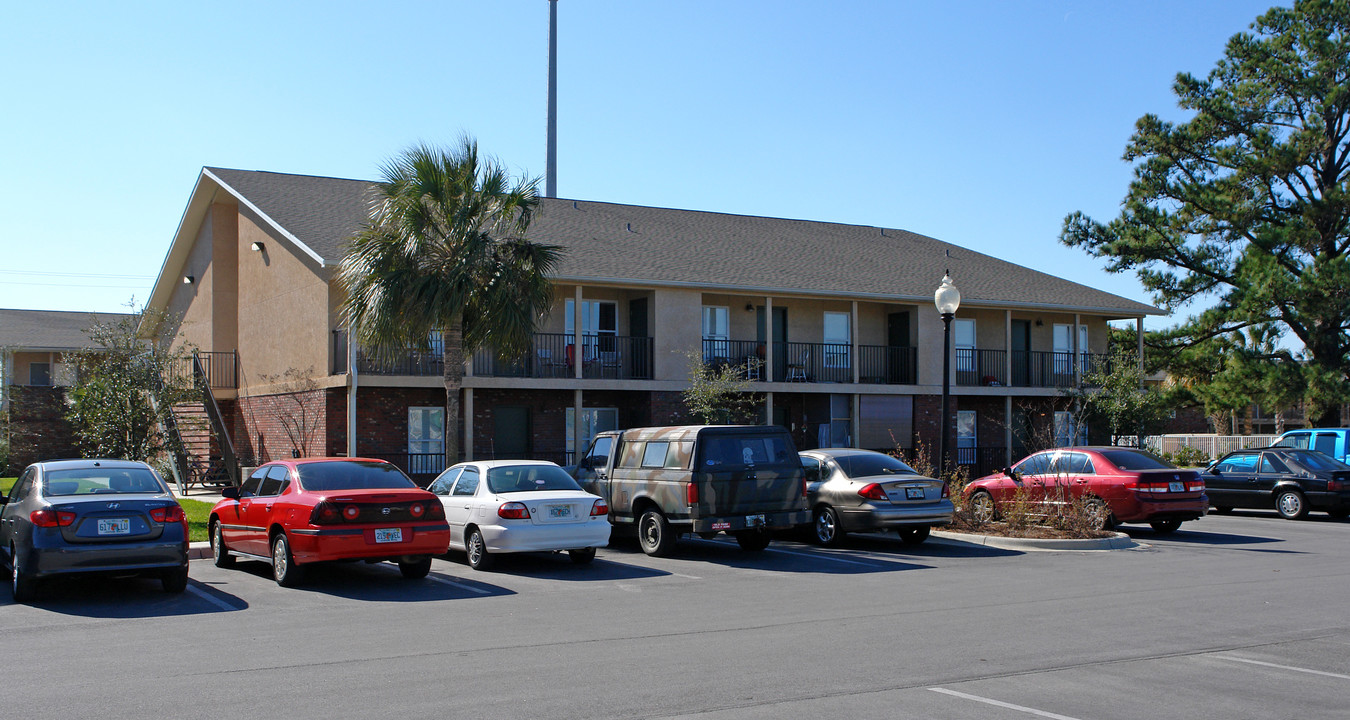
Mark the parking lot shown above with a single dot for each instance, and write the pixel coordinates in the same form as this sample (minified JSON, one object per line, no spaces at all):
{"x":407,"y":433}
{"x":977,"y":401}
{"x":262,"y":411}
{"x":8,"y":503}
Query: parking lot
{"x":1238,"y":616}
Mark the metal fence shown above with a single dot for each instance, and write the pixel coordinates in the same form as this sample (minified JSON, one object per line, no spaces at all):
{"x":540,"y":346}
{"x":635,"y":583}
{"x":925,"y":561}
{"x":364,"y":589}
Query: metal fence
{"x":1214,"y":446}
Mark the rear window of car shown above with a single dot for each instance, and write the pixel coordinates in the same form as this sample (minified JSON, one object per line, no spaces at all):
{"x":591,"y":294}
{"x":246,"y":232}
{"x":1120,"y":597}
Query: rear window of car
{"x":1136,"y":460}
{"x":856,"y":466}
{"x":98,"y":481}
{"x":1313,"y":460}
{"x":529,"y":478}
{"x":351,"y":475}
{"x":742,"y":450}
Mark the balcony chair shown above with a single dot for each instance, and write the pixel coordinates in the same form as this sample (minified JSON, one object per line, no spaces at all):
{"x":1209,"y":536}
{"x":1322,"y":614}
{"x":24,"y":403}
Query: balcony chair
{"x":797,"y":370}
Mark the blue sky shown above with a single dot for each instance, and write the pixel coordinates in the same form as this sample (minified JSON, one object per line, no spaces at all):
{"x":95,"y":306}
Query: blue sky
{"x":979,"y":123}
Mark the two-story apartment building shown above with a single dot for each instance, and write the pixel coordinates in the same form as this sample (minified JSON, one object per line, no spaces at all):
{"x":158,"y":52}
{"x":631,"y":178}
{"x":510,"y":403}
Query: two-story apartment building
{"x":835,"y":323}
{"x":36,"y":366}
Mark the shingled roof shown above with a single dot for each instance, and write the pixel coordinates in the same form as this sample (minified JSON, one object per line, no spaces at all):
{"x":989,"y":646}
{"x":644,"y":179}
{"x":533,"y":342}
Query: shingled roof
{"x":50,"y":330}
{"x":647,"y":246}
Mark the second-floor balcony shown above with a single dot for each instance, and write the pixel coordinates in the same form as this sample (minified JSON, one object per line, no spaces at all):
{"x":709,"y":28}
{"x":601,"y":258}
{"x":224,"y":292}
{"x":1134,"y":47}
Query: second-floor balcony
{"x":551,"y":355}
{"x":815,"y":362}
{"x":1028,"y":368}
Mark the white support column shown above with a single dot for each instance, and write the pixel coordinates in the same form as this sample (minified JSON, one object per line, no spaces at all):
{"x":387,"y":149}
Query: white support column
{"x":468,"y":424}
{"x":768,"y":340}
{"x":576,"y":346}
{"x":853,"y":348}
{"x":579,"y":443}
{"x":1007,"y":347}
{"x":1077,"y":355}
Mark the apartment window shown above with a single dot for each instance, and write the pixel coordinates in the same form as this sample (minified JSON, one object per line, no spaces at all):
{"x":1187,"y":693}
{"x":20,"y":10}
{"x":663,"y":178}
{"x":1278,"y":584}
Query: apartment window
{"x":599,"y":324}
{"x":838,"y":340}
{"x":965,"y":437}
{"x":1068,"y":430}
{"x":963,"y":338}
{"x":426,"y":440}
{"x":593,"y":422}
{"x":40,"y":373}
{"x":1063,"y":340}
{"x":716,"y":333}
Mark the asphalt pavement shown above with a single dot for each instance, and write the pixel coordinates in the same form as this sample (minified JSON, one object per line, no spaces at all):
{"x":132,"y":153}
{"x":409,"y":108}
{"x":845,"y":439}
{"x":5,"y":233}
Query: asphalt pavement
{"x":1232,"y":617}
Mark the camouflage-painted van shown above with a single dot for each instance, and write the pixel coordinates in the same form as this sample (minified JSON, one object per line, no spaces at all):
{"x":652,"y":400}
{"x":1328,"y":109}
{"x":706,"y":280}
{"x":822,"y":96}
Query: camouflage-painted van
{"x":744,"y":480}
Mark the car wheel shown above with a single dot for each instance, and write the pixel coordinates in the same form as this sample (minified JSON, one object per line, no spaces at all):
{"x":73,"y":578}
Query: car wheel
{"x":914,"y":536}
{"x":284,"y":569}
{"x":825,"y":524}
{"x":982,"y":508}
{"x":1291,"y":505}
{"x":1339,"y":514}
{"x":1162,"y":527}
{"x":417,"y":569}
{"x":476,"y":548}
{"x":582,"y":556}
{"x":174,"y":581}
{"x":654,"y":534}
{"x":753,"y":540}
{"x":23,"y":586}
{"x":219,"y":553}
{"x":1097,"y":514}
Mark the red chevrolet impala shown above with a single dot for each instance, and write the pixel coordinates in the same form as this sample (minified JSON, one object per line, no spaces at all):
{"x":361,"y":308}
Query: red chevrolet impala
{"x":1120,"y":484}
{"x":295,"y":512}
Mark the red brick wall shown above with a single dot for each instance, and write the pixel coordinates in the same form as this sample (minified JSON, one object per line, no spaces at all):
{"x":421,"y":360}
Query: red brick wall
{"x":38,"y":429}
{"x":259,"y":429}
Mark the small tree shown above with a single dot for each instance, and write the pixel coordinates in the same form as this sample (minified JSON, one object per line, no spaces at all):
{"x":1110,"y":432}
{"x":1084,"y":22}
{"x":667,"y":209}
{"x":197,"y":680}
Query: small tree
{"x":300,"y":408}
{"x":124,"y":388}
{"x":720,"y":394}
{"x":1117,"y":397}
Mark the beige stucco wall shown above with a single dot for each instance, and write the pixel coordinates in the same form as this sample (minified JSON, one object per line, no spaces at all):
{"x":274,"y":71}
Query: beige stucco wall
{"x":284,"y":308}
{"x":677,"y":323}
{"x":189,"y":319}
{"x":61,"y":372}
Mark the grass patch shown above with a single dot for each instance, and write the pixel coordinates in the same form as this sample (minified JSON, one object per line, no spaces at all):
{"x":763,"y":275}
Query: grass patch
{"x":198,"y":513}
{"x":6,"y":484}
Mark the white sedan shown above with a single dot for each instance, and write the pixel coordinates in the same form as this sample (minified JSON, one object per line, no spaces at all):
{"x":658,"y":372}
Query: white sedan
{"x":506,"y":506}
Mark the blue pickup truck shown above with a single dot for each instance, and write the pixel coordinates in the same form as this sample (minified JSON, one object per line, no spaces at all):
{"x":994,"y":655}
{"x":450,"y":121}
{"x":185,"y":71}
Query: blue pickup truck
{"x":1329,"y":441}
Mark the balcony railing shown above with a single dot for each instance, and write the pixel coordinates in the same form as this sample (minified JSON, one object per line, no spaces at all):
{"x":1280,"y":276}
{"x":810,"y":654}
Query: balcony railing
{"x":221,"y":368}
{"x":1030,"y":368}
{"x":815,"y":362}
{"x":554,"y":355}
{"x":981,"y":461}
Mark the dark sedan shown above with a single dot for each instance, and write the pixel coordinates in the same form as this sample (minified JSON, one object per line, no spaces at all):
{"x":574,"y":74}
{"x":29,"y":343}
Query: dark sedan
{"x":73,"y":517}
{"x":1290,"y":480}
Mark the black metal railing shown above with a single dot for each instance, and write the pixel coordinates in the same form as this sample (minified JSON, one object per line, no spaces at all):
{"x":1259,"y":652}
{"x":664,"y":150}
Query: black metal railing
{"x":220,"y":368}
{"x":813,"y":362}
{"x":888,"y":365}
{"x":1037,"y":368}
{"x":981,"y":461}
{"x":745,"y":354}
{"x":216,"y":418}
{"x":554,"y":355}
{"x":980,"y":367}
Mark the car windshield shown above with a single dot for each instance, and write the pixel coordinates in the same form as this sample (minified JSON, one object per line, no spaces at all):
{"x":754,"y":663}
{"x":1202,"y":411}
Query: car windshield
{"x":1316,"y":461}
{"x":351,"y":475}
{"x":97,"y":481}
{"x":529,"y":478}
{"x":1136,"y":460}
{"x":867,"y":465}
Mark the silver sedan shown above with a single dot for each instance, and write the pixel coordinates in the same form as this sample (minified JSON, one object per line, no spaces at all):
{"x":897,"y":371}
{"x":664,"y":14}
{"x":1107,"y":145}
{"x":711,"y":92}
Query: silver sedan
{"x":851,"y":490}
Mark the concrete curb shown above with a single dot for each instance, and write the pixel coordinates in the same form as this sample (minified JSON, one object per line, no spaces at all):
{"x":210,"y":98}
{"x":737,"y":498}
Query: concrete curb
{"x":1118,"y":541}
{"x":199,"y":550}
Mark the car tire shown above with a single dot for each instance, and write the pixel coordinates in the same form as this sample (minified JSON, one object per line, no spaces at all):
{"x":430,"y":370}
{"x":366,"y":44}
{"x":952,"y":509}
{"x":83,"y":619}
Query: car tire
{"x":417,"y":569}
{"x":1097,"y":513}
{"x":982,"y":508}
{"x":21,"y":585}
{"x":825,"y":528}
{"x":174,"y":581}
{"x":654,"y":534}
{"x":753,"y":540}
{"x":1291,"y":505}
{"x":1163,"y":527}
{"x":476,"y":550}
{"x":914,"y":536}
{"x":583,"y":556}
{"x":220,"y":554}
{"x":284,"y":570}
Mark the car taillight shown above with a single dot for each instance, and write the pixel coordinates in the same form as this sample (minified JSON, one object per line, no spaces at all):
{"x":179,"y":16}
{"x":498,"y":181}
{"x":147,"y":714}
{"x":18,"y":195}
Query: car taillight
{"x":435,"y":511}
{"x":691,"y":493}
{"x":600,"y":508}
{"x":170,"y":514}
{"x":1195,"y":487}
{"x":1335,"y":485}
{"x":1151,"y":487}
{"x":873,"y":492}
{"x":946,"y":490}
{"x":805,"y":488}
{"x":351,"y":512}
{"x":51,"y":518}
{"x":513,"y":511}
{"x":417,"y":509}
{"x":324,"y":514}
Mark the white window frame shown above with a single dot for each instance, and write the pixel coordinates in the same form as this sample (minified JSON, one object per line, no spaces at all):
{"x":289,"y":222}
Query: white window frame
{"x":835,"y":355}
{"x":716,"y":327}
{"x":965,"y":362}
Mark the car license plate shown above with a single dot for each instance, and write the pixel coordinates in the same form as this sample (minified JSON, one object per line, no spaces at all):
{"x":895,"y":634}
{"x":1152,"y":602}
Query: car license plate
{"x":116,"y":526}
{"x":913,"y":493}
{"x":1176,"y":487}
{"x":754,"y":521}
{"x":388,"y":535}
{"x":560,"y":511}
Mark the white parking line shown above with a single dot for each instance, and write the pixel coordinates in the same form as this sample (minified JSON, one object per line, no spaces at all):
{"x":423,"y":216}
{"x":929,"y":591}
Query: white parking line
{"x":1284,"y":667}
{"x":459,"y":585}
{"x":210,"y":598}
{"x":997,"y":703}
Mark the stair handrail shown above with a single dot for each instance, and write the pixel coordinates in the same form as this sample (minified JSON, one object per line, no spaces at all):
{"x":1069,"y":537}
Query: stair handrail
{"x":216,"y":418}
{"x":178,"y":459}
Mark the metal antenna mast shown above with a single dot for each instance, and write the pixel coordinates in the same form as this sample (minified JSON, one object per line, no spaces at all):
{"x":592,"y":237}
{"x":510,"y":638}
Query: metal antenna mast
{"x":551,"y":158}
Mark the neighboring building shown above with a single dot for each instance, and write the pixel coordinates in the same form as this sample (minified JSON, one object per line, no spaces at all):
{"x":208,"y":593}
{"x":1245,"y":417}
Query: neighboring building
{"x":838,"y":319}
{"x":35,"y":368}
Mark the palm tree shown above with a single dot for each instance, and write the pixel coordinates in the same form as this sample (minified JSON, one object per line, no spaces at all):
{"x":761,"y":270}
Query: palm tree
{"x":444,"y":251}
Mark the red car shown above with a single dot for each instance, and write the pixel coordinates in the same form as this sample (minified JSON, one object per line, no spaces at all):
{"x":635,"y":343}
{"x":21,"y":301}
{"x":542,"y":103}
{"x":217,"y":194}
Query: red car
{"x":295,"y":512}
{"x":1121,"y":484}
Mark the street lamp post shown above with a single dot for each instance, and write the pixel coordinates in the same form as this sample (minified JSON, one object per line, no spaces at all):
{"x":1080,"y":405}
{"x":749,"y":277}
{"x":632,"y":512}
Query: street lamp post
{"x":947,"y":299}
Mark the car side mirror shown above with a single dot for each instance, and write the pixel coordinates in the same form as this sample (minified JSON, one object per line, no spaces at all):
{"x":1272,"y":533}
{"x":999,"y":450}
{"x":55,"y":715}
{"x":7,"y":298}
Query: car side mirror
{"x":230,"y":492}
{"x":1213,"y":471}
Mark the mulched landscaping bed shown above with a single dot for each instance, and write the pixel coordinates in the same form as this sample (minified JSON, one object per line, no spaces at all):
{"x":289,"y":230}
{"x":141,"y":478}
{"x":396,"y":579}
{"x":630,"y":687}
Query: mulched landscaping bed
{"x":1039,"y":532}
